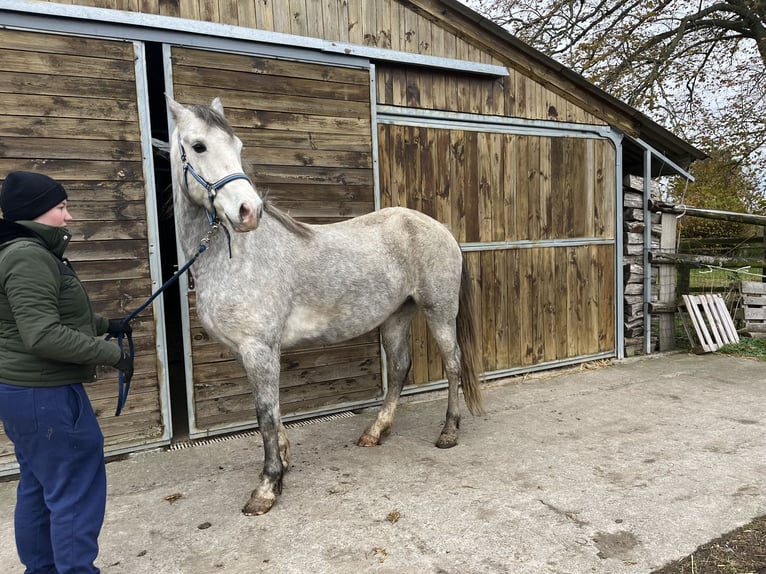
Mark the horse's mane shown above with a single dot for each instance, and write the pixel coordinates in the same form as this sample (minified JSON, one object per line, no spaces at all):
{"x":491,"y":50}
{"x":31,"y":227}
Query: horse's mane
{"x":292,"y":225}
{"x":212,"y":118}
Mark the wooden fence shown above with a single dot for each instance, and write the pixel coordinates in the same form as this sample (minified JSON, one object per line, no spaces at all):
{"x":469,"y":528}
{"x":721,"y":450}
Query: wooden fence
{"x":740,"y":255}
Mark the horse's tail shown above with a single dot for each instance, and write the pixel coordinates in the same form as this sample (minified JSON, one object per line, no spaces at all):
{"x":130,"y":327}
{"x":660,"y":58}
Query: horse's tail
{"x":470,"y":354}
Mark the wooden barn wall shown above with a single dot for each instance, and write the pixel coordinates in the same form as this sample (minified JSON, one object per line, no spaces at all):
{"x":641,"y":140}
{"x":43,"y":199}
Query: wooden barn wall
{"x":69,"y":110}
{"x":306,"y":130}
{"x":537,"y":303}
{"x":414,"y":26}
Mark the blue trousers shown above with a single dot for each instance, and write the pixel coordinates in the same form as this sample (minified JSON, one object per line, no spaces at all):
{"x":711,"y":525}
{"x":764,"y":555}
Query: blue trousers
{"x":61,"y":495}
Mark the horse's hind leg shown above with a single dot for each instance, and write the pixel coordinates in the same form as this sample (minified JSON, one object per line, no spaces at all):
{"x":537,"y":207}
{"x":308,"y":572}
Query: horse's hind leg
{"x":394,"y":333}
{"x":444,"y":333}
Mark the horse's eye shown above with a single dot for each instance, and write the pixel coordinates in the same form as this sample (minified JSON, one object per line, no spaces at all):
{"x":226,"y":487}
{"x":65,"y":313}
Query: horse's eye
{"x":199,"y":147}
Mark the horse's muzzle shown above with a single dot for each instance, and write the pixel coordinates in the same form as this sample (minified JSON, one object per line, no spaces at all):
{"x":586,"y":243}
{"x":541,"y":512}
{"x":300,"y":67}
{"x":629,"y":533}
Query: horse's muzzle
{"x":249,"y":216}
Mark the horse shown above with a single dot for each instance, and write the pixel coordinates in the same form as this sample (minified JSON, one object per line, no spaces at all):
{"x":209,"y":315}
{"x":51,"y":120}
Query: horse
{"x":278,"y":284}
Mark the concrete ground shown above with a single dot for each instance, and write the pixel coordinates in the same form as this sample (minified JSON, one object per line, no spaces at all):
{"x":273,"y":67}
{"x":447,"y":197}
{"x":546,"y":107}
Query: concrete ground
{"x":611,"y":470}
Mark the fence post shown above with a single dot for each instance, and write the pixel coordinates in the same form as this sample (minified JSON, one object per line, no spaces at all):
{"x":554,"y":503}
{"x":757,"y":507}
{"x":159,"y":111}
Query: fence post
{"x":667,"y":284}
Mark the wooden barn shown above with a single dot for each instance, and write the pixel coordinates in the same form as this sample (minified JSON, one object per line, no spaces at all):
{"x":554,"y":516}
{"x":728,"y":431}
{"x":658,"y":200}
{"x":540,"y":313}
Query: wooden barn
{"x":344,"y":107}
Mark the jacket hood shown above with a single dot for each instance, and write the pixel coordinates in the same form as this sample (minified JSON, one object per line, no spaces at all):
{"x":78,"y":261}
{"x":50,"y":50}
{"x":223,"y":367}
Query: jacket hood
{"x":10,"y":230}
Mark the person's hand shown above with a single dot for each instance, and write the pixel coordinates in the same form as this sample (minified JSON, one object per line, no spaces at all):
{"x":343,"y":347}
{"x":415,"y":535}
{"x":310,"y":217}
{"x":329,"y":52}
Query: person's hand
{"x":119,"y":327}
{"x":125,"y":364}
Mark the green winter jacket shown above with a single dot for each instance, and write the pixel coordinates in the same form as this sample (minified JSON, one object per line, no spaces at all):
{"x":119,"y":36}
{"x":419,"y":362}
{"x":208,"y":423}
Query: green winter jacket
{"x":49,"y":335}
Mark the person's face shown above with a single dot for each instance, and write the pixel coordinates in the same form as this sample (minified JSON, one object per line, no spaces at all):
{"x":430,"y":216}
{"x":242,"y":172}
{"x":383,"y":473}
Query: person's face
{"x":57,"y":216}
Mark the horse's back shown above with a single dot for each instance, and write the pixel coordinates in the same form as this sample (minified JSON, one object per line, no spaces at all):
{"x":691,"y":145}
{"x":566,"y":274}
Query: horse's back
{"x":406,"y":227}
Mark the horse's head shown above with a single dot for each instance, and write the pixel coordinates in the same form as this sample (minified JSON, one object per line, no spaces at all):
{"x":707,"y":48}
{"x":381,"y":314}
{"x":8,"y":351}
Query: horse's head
{"x":206,"y":156}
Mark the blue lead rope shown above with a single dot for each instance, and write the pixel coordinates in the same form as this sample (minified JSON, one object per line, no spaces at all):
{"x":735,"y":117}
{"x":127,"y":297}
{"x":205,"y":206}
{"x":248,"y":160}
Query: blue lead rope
{"x":124,"y":382}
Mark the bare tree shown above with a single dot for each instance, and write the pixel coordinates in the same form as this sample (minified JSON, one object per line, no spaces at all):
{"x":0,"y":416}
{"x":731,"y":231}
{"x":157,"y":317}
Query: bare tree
{"x":696,"y":67}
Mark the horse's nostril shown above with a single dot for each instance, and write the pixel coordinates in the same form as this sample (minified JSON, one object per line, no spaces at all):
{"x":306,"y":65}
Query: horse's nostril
{"x":260,"y":211}
{"x":244,"y":212}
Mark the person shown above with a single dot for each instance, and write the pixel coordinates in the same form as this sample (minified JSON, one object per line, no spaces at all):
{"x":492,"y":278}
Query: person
{"x":50,"y":344}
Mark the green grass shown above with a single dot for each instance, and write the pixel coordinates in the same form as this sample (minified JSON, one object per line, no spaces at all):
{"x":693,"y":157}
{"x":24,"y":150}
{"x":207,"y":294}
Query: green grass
{"x":747,"y":347}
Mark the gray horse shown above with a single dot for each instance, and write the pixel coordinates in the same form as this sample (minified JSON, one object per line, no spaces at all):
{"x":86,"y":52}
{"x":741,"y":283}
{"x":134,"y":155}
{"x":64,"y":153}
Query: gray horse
{"x":285,"y":284}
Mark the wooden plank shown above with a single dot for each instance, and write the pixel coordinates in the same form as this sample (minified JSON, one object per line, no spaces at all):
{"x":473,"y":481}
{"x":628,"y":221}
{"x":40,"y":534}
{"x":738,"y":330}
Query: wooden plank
{"x":68,"y":106}
{"x":298,"y":23}
{"x":521,"y":188}
{"x":187,"y":78}
{"x":208,"y":11}
{"x":444,"y":187}
{"x":385,"y":164}
{"x":513,"y":285}
{"x":753,"y":287}
{"x":726,"y":322}
{"x":66,"y":128}
{"x":303,"y":140}
{"x":755,"y":314}
{"x":263,"y":69}
{"x":561,"y":293}
{"x":354,"y":20}
{"x":28,"y":148}
{"x":78,"y":66}
{"x":93,"y":88}
{"x":537,"y":309}
{"x":246,"y":14}
{"x":710,"y":318}
{"x":546,"y":196}
{"x":489,"y":284}
{"x":264,"y":15}
{"x":316,"y":23}
{"x":331,"y":158}
{"x":63,"y":45}
{"x":282,"y":17}
{"x":270,"y":101}
{"x":667,"y":283}
{"x":503,"y":331}
{"x":549,"y":303}
{"x":471,"y":197}
{"x":575,"y":302}
{"x":487,"y":186}
{"x":457,"y":177}
{"x":267,"y":174}
{"x":754,"y":300}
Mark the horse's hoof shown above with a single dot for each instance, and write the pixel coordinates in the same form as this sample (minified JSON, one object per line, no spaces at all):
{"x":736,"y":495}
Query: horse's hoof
{"x":258,"y":505}
{"x":367,"y":440}
{"x":447,"y":440}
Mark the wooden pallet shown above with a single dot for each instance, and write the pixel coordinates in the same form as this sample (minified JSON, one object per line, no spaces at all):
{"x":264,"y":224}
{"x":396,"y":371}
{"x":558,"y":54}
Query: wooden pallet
{"x":712,"y":323}
{"x":753,"y":295}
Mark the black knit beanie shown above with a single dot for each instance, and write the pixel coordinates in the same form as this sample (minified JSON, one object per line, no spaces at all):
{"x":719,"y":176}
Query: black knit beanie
{"x":26,"y":195}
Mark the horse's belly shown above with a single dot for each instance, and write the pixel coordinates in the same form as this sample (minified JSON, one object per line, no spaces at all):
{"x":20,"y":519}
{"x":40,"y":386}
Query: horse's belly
{"x":313,"y":326}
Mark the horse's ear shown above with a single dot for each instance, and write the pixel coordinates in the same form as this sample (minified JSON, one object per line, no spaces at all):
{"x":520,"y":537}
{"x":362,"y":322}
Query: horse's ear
{"x":176,"y":109}
{"x":217,"y":105}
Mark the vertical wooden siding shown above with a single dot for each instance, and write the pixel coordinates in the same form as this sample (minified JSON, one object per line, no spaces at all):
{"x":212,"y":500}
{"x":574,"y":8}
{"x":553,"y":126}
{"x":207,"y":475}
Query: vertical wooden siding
{"x":68,"y":109}
{"x":421,"y":27}
{"x":538,"y":303}
{"x":307,"y":137}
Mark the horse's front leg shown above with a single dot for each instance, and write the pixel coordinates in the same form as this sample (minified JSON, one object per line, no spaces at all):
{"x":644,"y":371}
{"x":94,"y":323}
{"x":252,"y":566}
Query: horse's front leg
{"x":262,"y":367}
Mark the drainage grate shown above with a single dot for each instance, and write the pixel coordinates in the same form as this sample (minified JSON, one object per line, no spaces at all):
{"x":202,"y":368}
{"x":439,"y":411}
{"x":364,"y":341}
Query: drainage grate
{"x":252,"y":433}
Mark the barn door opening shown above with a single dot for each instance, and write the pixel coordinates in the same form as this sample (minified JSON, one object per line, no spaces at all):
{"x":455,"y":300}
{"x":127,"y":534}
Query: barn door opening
{"x":155,"y":72}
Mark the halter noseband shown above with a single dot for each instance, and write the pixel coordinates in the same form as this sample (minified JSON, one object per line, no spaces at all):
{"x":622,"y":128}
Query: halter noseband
{"x":212,"y":188}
